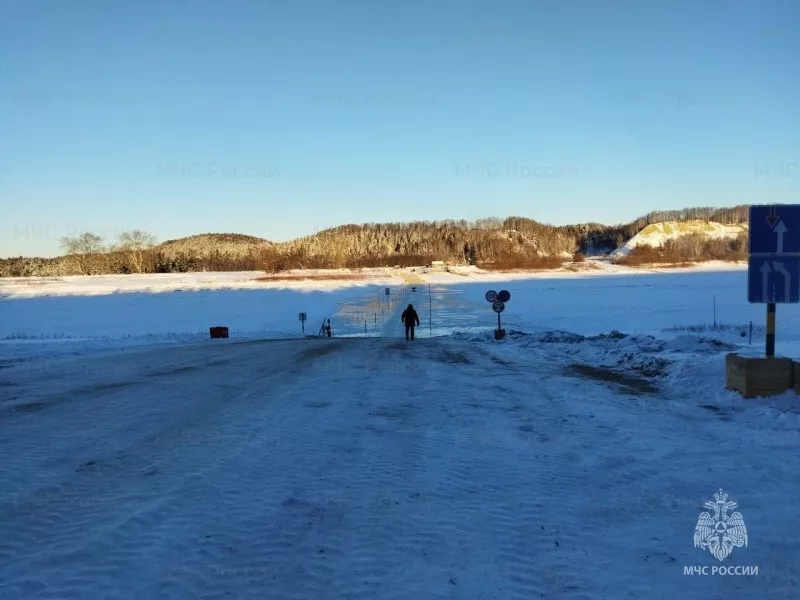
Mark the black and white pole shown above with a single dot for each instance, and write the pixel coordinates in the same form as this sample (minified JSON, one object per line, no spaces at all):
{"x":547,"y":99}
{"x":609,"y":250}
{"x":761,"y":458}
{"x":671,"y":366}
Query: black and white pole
{"x":770,"y":350}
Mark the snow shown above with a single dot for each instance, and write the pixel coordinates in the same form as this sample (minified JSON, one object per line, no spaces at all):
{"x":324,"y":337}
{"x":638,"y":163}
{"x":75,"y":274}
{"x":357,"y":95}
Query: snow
{"x":310,"y":279}
{"x":28,"y":287}
{"x":139,"y":459}
{"x":656,"y":234}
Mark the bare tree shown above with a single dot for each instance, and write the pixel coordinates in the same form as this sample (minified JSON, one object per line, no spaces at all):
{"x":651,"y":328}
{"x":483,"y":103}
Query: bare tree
{"x":85,"y":243}
{"x":135,"y":244}
{"x":82,"y":248}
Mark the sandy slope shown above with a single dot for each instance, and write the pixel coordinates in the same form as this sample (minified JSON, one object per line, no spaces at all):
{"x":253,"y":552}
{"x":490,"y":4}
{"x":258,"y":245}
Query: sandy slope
{"x":369,"y":468}
{"x":656,"y":234}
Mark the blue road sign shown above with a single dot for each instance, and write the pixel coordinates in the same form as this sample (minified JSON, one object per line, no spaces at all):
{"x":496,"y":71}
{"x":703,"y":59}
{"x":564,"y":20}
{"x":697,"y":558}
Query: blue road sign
{"x":773,"y":279}
{"x":773,"y":274}
{"x":775,"y":229}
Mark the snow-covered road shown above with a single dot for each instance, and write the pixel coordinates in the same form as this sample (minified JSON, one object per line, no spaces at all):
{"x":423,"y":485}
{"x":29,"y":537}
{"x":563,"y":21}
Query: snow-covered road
{"x":543,"y":466}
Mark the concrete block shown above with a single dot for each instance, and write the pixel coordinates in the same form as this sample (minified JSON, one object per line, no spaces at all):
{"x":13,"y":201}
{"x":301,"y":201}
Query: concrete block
{"x":754,"y":376}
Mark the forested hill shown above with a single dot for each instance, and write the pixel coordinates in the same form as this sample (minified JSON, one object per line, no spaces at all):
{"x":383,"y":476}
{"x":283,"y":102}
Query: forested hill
{"x":483,"y":241}
{"x":514,"y":242}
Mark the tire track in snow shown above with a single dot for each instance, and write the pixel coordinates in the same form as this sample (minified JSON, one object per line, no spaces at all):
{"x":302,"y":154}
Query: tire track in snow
{"x":362,"y":468}
{"x":71,"y":515}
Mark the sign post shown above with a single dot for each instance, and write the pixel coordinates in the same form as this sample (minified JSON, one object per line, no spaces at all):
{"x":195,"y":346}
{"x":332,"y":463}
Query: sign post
{"x":773,"y":270}
{"x":498,"y":301}
{"x":302,"y":317}
{"x":498,"y":306}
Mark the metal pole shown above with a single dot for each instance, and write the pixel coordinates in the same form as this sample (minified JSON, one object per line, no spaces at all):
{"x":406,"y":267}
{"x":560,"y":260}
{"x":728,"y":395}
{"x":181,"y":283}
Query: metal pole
{"x":715,"y":311}
{"x":498,"y":322}
{"x":771,"y":330}
{"x":430,"y":312}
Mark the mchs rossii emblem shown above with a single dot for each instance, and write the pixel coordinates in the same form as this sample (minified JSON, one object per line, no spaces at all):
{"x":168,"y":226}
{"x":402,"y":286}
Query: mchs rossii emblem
{"x":720,"y":532}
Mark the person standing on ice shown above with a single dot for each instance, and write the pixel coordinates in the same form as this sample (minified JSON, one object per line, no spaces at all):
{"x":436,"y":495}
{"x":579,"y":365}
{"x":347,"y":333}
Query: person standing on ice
{"x":410,"y":319}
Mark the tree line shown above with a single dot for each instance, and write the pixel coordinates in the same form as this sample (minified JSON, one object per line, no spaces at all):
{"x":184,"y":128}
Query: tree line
{"x":494,"y":243}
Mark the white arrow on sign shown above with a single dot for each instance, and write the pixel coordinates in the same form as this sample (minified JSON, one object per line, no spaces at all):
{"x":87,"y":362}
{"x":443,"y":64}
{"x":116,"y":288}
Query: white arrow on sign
{"x":765,"y":271}
{"x":780,"y":229}
{"x":787,"y":278}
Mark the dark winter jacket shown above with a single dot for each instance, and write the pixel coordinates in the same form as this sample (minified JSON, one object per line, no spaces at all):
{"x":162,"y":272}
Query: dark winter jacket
{"x":410,"y":317}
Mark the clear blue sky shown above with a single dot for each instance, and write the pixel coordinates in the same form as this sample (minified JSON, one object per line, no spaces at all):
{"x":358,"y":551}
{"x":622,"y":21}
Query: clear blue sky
{"x":280,"y":118}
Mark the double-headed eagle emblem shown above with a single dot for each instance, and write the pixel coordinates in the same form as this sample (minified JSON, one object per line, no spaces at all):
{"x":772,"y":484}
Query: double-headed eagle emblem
{"x":720,"y":533}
